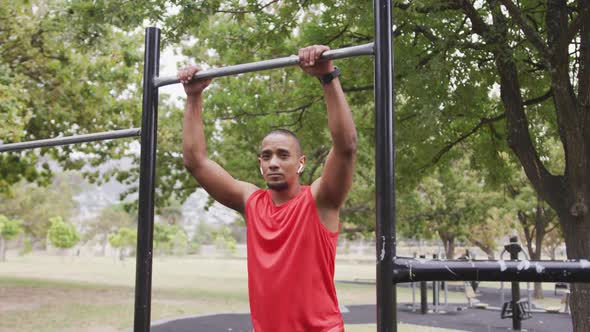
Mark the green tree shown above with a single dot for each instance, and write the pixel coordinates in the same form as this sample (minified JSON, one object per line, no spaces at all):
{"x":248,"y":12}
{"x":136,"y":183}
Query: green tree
{"x":535,"y":53}
{"x":8,"y":230}
{"x":171,"y":213}
{"x":486,"y":234}
{"x":536,"y":220}
{"x":35,"y":205}
{"x":170,"y":239}
{"x":535,"y":217}
{"x":224,"y":239}
{"x":450,"y":203}
{"x":204,"y":234}
{"x":58,"y":78}
{"x":124,"y":239}
{"x":62,"y":234}
{"x":553,"y":241}
{"x":110,"y":220}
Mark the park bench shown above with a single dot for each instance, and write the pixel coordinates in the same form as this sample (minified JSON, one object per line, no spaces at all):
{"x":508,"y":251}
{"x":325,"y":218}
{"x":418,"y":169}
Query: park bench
{"x":522,"y":306}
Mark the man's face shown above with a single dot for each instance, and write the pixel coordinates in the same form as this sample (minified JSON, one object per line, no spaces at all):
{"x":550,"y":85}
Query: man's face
{"x":280,"y":158}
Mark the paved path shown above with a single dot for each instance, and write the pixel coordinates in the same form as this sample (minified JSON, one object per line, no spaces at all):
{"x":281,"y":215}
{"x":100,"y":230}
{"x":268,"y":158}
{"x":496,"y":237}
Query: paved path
{"x":465,"y":320}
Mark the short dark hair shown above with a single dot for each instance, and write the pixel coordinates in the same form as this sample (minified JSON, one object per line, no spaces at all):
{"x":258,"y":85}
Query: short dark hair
{"x":285,"y":132}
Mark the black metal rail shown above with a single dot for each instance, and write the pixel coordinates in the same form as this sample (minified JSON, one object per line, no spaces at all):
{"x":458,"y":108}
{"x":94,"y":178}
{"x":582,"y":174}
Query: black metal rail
{"x":415,"y":269}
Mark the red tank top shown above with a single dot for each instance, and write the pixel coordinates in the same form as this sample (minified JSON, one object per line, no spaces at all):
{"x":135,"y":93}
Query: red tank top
{"x":290,"y":266}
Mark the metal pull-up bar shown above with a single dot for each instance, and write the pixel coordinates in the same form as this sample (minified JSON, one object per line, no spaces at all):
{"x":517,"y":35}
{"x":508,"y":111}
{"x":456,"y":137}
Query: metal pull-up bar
{"x":133,"y":132}
{"x":293,"y":60}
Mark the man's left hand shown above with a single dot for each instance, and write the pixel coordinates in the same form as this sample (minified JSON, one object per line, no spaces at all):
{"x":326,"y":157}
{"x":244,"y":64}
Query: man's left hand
{"x":308,"y":60}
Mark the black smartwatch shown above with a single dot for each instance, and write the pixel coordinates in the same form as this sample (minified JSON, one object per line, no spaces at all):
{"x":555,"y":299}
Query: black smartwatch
{"x":325,"y":79}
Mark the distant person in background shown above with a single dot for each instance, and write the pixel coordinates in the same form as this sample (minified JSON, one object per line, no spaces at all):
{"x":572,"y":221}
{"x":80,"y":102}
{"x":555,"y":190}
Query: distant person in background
{"x":291,"y":229}
{"x":469,"y":256}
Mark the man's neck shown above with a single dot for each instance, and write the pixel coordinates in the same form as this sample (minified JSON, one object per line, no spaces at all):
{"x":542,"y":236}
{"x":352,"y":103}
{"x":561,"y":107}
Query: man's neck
{"x":282,"y":196}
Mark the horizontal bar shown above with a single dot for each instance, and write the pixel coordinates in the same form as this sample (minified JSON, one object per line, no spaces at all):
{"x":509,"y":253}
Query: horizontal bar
{"x":414,"y":269}
{"x":133,"y":132}
{"x":293,"y":60}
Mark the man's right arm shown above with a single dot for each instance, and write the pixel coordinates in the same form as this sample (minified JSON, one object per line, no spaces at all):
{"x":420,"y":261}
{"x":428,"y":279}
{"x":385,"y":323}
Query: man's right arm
{"x":210,"y":175}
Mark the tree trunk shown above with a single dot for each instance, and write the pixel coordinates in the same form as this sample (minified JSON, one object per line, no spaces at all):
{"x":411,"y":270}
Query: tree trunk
{"x":450,"y":249}
{"x":2,"y":249}
{"x":449,"y":245}
{"x":568,"y":193}
{"x":538,"y":291}
{"x":490,"y":253}
{"x":104,"y":245}
{"x":540,"y":231}
{"x":577,"y":233}
{"x":21,"y":245}
{"x":488,"y":250}
{"x":552,"y":254}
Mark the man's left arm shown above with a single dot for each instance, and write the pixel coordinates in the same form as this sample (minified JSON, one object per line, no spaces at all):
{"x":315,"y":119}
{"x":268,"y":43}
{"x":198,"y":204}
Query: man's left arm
{"x":331,"y":189}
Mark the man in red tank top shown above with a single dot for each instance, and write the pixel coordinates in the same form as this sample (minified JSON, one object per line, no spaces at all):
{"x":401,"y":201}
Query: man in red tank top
{"x":291,"y":229}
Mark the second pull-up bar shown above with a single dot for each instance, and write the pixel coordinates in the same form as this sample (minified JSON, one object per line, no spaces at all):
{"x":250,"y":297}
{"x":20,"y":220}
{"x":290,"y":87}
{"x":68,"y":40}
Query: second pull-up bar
{"x":293,"y":60}
{"x":124,"y":133}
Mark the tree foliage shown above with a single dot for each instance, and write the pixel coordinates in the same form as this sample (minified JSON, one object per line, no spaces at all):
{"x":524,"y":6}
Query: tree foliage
{"x":62,"y":234}
{"x":224,"y":240}
{"x":110,"y":220}
{"x":35,"y":205}
{"x":488,"y":234}
{"x":59,"y":79}
{"x":170,"y":239}
{"x":451,"y":203}
{"x":123,"y":239}
{"x":9,"y":228}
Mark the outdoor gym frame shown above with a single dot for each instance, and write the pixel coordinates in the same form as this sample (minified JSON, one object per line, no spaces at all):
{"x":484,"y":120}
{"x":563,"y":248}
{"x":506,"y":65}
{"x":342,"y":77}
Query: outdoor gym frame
{"x":390,"y":269}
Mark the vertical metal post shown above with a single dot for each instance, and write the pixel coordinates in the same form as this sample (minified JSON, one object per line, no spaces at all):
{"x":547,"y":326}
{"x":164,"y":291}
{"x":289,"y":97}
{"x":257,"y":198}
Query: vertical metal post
{"x":147,"y":176}
{"x":528,"y":294}
{"x":435,"y":295}
{"x":384,"y":164}
{"x":423,"y":298}
{"x":423,"y":295}
{"x":435,"y":290}
{"x":514,"y":248}
{"x":444,"y":285}
{"x":413,"y":285}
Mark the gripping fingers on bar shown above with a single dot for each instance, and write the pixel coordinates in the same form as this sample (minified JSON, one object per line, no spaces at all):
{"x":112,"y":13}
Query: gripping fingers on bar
{"x":293,"y":60}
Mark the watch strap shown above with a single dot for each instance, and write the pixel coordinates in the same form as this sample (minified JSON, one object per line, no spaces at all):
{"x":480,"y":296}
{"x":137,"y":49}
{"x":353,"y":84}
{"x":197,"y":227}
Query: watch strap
{"x":329,"y":77}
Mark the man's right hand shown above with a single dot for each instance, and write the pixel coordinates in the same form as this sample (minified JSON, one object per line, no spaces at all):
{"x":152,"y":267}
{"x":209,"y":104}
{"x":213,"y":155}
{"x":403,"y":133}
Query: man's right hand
{"x":194,"y":87}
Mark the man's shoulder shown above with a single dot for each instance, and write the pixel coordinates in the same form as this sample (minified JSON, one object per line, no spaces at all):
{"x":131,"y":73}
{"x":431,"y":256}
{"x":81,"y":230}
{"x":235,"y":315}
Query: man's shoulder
{"x":256,"y":193}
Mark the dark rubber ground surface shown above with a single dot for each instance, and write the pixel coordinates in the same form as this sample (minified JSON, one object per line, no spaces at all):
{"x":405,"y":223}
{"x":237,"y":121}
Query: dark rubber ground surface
{"x":465,"y":320}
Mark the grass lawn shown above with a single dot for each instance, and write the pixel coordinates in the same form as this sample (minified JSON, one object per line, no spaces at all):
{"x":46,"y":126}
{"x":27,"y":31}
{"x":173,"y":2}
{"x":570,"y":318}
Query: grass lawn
{"x":45,"y":293}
